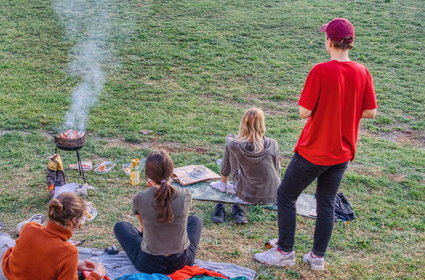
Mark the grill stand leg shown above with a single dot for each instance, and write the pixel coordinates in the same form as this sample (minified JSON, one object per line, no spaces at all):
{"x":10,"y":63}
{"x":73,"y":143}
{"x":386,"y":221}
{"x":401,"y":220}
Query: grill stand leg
{"x":80,"y":166}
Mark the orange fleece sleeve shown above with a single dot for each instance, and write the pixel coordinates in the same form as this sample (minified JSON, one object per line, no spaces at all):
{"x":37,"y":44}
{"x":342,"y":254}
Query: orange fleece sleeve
{"x":67,"y":269}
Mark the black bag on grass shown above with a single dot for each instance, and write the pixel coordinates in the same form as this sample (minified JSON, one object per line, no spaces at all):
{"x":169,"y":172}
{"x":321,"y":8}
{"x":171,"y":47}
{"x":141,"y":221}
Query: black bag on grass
{"x":55,"y":174}
{"x":343,"y":210}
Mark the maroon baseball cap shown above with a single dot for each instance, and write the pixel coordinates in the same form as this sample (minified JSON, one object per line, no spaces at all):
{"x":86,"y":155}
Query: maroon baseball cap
{"x":338,"y":29}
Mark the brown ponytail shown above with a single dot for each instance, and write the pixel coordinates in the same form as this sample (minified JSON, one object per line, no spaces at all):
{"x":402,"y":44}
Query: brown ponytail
{"x":65,"y":208}
{"x":159,"y":168}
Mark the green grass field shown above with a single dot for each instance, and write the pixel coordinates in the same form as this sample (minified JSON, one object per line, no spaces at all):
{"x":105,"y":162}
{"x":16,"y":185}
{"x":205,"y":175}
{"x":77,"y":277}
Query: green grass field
{"x":187,"y":70}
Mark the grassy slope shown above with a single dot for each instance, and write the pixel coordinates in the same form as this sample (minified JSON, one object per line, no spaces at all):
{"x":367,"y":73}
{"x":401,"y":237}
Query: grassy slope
{"x":187,"y":73}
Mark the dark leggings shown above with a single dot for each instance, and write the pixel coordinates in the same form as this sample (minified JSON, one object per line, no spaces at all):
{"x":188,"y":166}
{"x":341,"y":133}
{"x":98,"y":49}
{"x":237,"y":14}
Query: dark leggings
{"x":299,"y":174}
{"x":130,"y":239}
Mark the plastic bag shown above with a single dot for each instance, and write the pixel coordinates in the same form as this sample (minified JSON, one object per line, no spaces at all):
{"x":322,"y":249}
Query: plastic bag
{"x":91,"y":210}
{"x":104,"y":167}
{"x":127,"y":166}
{"x":74,"y":188}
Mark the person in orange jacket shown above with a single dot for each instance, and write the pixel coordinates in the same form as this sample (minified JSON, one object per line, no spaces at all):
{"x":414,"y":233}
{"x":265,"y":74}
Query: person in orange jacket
{"x":43,"y":252}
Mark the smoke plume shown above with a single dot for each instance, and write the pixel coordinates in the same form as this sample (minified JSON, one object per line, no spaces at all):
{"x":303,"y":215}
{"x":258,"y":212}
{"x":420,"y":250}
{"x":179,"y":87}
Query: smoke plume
{"x":90,"y":24}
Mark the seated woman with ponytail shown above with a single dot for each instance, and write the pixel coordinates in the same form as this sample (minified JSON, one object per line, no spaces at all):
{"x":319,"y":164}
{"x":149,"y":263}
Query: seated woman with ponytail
{"x":43,"y":252}
{"x":167,"y":237}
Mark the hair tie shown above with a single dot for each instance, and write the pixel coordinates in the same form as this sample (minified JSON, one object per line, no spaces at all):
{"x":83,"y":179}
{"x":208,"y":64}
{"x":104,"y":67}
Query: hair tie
{"x":163,"y":181}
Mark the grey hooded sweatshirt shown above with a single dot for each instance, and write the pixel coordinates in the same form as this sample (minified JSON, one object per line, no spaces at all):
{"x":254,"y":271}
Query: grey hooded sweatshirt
{"x":255,"y":175}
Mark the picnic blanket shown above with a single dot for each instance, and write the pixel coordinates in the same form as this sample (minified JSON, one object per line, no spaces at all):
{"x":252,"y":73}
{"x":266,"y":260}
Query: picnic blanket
{"x":156,"y":276}
{"x":306,"y":203}
{"x":119,"y":265}
{"x":144,"y":276}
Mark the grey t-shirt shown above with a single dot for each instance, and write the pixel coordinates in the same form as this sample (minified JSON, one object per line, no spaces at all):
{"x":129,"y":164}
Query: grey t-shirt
{"x":163,"y":238}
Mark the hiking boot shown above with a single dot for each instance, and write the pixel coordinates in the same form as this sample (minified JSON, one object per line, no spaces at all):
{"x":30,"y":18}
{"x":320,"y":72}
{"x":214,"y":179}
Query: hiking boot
{"x":223,"y":187}
{"x":238,"y":215}
{"x":219,"y":213}
{"x":38,"y":218}
{"x":316,"y":263}
{"x":276,"y":258}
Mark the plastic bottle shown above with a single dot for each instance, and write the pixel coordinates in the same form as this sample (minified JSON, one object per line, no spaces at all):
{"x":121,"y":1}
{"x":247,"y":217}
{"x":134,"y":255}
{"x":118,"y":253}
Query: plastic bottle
{"x":135,"y":172}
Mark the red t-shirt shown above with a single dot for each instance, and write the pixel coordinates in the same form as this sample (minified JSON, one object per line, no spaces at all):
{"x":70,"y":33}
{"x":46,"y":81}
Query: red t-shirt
{"x":337,"y":93}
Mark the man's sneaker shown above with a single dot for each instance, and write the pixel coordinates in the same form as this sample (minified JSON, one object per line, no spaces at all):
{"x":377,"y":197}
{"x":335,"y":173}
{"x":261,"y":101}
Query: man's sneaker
{"x":38,"y":218}
{"x":219,"y":213}
{"x":238,"y":215}
{"x":223,"y":187}
{"x":274,"y":257}
{"x":315,"y":263}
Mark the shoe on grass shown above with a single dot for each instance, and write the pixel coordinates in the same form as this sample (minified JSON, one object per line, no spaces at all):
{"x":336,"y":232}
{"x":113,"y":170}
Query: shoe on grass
{"x":223,"y":187}
{"x":219,"y":213}
{"x":241,"y":201}
{"x":238,"y":215}
{"x":276,"y":258}
{"x":38,"y":218}
{"x":315,"y":263}
{"x":230,"y":188}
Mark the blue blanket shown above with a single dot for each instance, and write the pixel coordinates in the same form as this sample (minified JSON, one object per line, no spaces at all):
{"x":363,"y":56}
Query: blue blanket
{"x":143,"y":276}
{"x":119,"y":265}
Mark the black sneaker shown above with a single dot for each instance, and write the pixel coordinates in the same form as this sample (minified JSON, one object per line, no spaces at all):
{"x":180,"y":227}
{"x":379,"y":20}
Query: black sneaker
{"x":219,"y":213}
{"x":238,"y":215}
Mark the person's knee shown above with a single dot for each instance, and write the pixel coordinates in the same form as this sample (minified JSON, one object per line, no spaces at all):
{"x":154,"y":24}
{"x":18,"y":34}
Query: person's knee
{"x":284,"y":197}
{"x":195,"y":220}
{"x":327,"y":209}
{"x":119,"y":226}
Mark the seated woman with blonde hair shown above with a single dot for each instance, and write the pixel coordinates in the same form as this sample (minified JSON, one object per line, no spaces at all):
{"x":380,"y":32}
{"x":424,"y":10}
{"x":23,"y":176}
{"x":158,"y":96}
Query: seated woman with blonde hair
{"x":252,"y":160}
{"x":43,"y":252}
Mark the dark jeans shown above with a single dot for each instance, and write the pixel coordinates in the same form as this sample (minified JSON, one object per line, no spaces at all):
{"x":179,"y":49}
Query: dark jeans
{"x":130,"y":239}
{"x":299,"y":174}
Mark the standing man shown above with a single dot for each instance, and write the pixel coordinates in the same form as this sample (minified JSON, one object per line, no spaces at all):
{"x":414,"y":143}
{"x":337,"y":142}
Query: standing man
{"x":336,"y":95}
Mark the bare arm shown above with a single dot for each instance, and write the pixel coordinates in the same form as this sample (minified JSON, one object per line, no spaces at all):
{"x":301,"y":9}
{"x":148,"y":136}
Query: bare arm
{"x":304,"y":112}
{"x":369,"y":114}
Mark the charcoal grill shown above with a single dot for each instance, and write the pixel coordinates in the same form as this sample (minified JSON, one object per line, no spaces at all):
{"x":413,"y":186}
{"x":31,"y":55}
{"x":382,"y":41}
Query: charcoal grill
{"x":72,"y":144}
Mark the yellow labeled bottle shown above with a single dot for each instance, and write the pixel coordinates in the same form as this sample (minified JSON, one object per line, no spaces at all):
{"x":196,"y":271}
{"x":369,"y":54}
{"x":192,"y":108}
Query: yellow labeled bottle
{"x":135,"y":172}
{"x":134,"y":178}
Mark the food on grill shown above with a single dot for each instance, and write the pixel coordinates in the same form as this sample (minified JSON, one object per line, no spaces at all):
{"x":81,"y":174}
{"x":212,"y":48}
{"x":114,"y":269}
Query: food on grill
{"x":70,"y":140}
{"x":71,"y":134}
